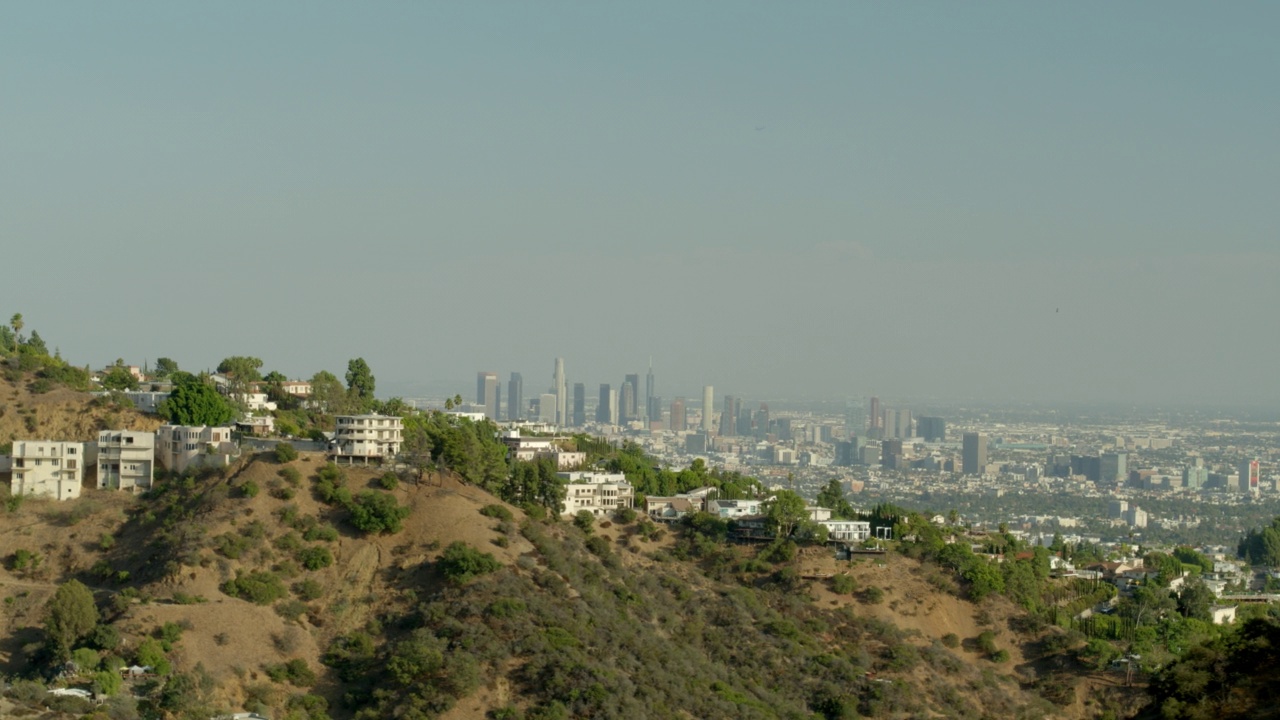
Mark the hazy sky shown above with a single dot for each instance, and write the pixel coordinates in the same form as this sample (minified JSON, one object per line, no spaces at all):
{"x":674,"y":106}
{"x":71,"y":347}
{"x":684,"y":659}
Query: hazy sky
{"x":1000,"y":200}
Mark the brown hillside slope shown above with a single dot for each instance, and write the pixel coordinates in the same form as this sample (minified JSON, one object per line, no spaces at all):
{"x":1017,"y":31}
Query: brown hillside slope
{"x":60,"y":414}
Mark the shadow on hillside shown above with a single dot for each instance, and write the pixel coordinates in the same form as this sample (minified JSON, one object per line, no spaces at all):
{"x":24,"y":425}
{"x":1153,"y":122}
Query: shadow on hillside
{"x":12,"y":649}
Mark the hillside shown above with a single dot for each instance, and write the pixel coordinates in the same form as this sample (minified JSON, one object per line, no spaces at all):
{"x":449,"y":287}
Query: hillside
{"x":60,"y":413}
{"x":569,"y":624}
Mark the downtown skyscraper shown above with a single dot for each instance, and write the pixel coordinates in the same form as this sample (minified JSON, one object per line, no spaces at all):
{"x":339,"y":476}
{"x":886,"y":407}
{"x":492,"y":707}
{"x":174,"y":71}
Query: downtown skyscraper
{"x":708,"y":407}
{"x":562,"y":393}
{"x":487,"y":394}
{"x":515,"y":397}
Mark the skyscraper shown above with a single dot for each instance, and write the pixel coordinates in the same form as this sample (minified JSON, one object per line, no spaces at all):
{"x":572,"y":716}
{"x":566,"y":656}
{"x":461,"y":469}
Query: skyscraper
{"x":547,"y":408}
{"x":932,"y":429}
{"x":729,"y":417}
{"x":888,"y":423}
{"x":762,"y":420}
{"x":603,"y":412}
{"x":873,"y":422}
{"x":579,"y":404}
{"x":562,"y":394}
{"x":678,"y":419}
{"x":974,"y":453}
{"x":631,"y":406}
{"x":651,"y":412}
{"x":487,"y":393}
{"x":1250,"y":477}
{"x":903,"y":427}
{"x":708,"y":407}
{"x":515,"y":397}
{"x":627,"y":401}
{"x":1113,"y":467}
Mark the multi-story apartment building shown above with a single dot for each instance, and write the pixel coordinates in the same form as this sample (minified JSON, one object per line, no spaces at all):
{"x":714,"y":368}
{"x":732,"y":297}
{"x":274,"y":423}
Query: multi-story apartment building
{"x":367,"y":437}
{"x":848,"y":530}
{"x":125,"y":459}
{"x":597,"y":493}
{"x":49,"y":468}
{"x":179,"y":447}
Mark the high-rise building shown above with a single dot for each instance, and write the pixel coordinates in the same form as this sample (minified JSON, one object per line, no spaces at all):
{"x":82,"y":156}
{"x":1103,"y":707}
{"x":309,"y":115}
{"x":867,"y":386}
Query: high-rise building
{"x":762,"y":420}
{"x":902,"y":429}
{"x":652,"y":409}
{"x":1250,"y":476}
{"x":678,"y":419}
{"x":631,"y":404}
{"x":614,"y":416}
{"x":888,"y":423}
{"x":562,"y":393}
{"x":487,"y":393}
{"x":974,"y":453}
{"x":1196,"y":476}
{"x":579,"y":404}
{"x":627,"y":401}
{"x":603,"y":411}
{"x":708,"y":407}
{"x":547,"y":407}
{"x":873,"y":422}
{"x":515,"y":397}
{"x":729,"y":417}
{"x":1113,"y":467}
{"x":932,"y":429}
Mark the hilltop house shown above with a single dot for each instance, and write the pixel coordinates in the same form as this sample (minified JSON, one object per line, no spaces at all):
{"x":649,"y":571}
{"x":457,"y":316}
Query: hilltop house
{"x":179,"y":447}
{"x":49,"y":468}
{"x":597,"y":493}
{"x":368,"y":437}
{"x":126,"y":459}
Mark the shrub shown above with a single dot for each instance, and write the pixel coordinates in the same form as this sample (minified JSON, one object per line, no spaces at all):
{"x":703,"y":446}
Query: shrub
{"x":377,"y":512}
{"x":625,"y":515}
{"x":584,"y":521}
{"x":389,"y":481}
{"x":1000,"y":656}
{"x":290,"y":475}
{"x":315,"y":558}
{"x":951,"y":640}
{"x":249,"y":489}
{"x":496,"y":511}
{"x":987,"y":642}
{"x":286,"y":452}
{"x":291,"y":609}
{"x":461,"y":562}
{"x":259,"y":587}
{"x":326,"y":533}
{"x":295,"y":672}
{"x":873,"y":595}
{"x":308,"y":590}
{"x":843,"y":584}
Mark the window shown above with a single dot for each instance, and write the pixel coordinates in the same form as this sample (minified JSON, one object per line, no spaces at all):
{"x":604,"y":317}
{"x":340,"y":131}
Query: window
{"x":71,"y":451}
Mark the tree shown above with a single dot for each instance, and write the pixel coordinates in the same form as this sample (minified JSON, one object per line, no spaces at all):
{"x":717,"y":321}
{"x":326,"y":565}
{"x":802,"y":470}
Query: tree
{"x":360,"y":382}
{"x":119,"y":378}
{"x":831,"y":496}
{"x":16,"y":323}
{"x":784,"y":512}
{"x":71,"y":615}
{"x":1195,"y":601}
{"x":242,"y":368}
{"x":417,"y":447}
{"x":377,"y":512}
{"x":327,"y":393}
{"x":36,"y":344}
{"x":196,"y":403}
{"x":164,"y":368}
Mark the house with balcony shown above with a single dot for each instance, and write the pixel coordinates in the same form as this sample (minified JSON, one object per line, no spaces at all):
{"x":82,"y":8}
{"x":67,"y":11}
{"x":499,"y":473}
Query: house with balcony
{"x":532,"y":448}
{"x":49,"y":468}
{"x":183,"y":447}
{"x":126,"y":459}
{"x":847,"y":530}
{"x":597,"y":493}
{"x":366,"y":437}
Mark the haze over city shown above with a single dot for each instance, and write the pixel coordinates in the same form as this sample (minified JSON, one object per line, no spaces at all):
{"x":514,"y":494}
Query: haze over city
{"x":818,"y":200}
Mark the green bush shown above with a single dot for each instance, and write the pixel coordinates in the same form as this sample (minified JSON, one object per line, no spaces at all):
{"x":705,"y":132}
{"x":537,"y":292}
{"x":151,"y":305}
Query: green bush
{"x":377,"y":512}
{"x":461,"y":562}
{"x":315,"y":558}
{"x":295,"y":672}
{"x":326,"y":533}
{"x":249,"y":489}
{"x":584,"y":521}
{"x":496,"y":511}
{"x":286,"y":452}
{"x":389,"y":481}
{"x":625,"y":515}
{"x":987,"y":642}
{"x":873,"y":595}
{"x":308,"y":590}
{"x":843,"y":584}
{"x":290,"y":475}
{"x":951,"y":640}
{"x":259,"y":587}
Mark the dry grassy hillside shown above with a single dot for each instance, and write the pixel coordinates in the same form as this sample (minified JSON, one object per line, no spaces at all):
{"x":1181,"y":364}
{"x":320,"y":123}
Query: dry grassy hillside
{"x":60,"y":414}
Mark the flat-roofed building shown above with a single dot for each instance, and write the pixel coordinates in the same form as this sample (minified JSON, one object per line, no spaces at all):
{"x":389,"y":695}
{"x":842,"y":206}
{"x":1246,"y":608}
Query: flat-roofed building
{"x":367,"y":437}
{"x":179,"y":447}
{"x":597,"y":493}
{"x":48,"y":468}
{"x":126,"y":459}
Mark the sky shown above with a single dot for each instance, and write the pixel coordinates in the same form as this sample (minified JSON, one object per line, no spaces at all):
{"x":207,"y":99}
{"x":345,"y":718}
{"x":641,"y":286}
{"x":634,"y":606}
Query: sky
{"x":1002,"y":201}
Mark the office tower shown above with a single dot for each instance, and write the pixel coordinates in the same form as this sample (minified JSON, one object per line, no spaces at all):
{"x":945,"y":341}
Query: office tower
{"x":614,"y":415}
{"x":708,"y":407}
{"x":655,"y":411}
{"x":903,"y":426}
{"x":743,"y":426}
{"x":974,"y":453}
{"x":1250,"y":477}
{"x":579,"y":404}
{"x":888,"y":423}
{"x":762,"y":420}
{"x":627,"y":401}
{"x":873,"y":422}
{"x":729,"y":417}
{"x":487,"y":393}
{"x":1196,"y":476}
{"x":562,"y":394}
{"x":891,"y":454}
{"x":784,"y":428}
{"x":603,"y":411}
{"x":652,"y":410}
{"x":632,"y":403}
{"x":695,"y":443}
{"x":678,"y":419}
{"x":932,"y":429}
{"x":547,"y":407}
{"x":515,"y":397}
{"x":1113,"y":467}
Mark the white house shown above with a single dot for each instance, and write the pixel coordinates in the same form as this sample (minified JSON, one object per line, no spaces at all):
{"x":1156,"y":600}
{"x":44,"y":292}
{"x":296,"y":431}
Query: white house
{"x":367,"y":436}
{"x":532,"y":448}
{"x":179,"y":447}
{"x":735,"y":508}
{"x":850,"y":530}
{"x":49,"y":468}
{"x":126,"y":459}
{"x":597,"y":493}
{"x":1223,"y":614}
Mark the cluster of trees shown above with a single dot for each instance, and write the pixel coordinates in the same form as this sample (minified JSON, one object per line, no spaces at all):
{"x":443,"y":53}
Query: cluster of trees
{"x":649,"y":478}
{"x":29,"y":354}
{"x":1262,"y":546}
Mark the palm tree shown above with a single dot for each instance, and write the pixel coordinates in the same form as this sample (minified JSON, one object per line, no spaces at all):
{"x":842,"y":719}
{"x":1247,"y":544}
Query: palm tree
{"x":16,"y":323}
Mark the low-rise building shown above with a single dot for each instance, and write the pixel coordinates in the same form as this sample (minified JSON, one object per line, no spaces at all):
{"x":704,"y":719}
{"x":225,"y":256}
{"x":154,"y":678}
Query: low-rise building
{"x":257,"y":425}
{"x":179,"y":447}
{"x":49,"y":468}
{"x":126,"y":459}
{"x":671,"y":508}
{"x":848,"y":530}
{"x":532,"y":448}
{"x":735,"y":508}
{"x":597,"y":493}
{"x":366,"y":437}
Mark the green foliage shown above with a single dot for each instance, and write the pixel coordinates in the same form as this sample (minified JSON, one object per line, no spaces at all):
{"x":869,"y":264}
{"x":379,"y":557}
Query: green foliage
{"x":360,"y":383}
{"x":286,"y":452}
{"x":308,"y":590}
{"x":389,"y":481}
{"x":832,"y":497}
{"x":258,"y":587}
{"x":498,"y":512}
{"x":164,"y":368}
{"x":70,"y":615}
{"x":585,"y":521}
{"x":151,"y":653}
{"x":377,"y":512}
{"x":86,"y":659}
{"x":119,"y":378}
{"x":295,"y":672}
{"x":461,"y":563}
{"x":843,"y":584}
{"x":107,"y":683}
{"x":785,"y":512}
{"x":22,"y":559}
{"x":249,"y":489}
{"x":315,"y":558}
{"x":625,"y":515}
{"x":196,"y":403}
